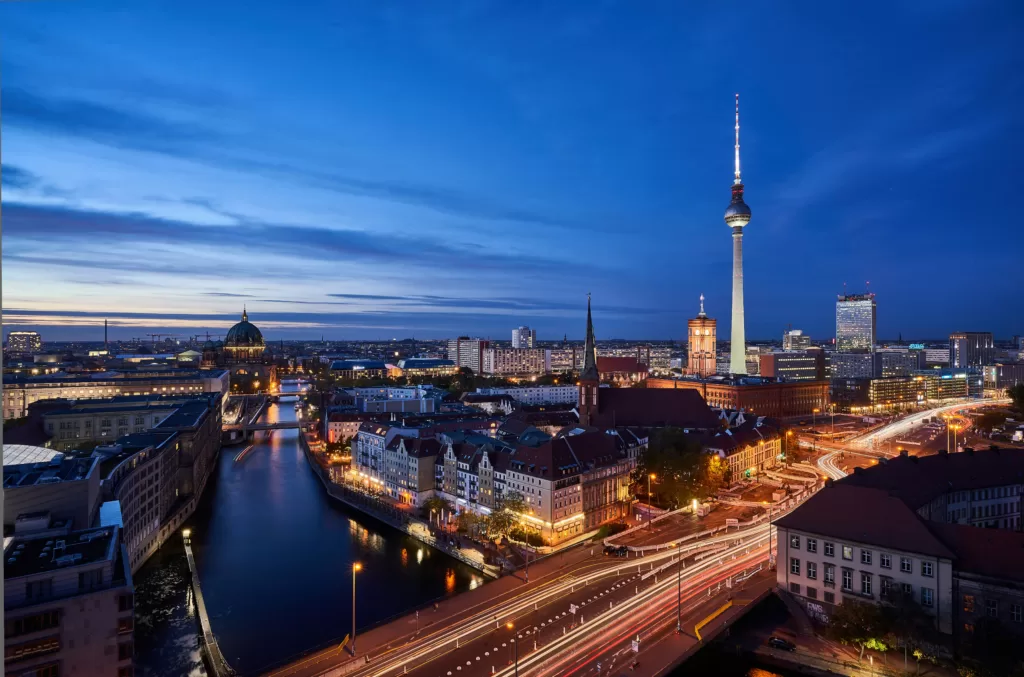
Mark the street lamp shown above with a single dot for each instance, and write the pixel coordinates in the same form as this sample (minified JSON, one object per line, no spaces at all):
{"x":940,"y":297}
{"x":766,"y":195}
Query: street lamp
{"x":814,"y":417}
{"x":679,"y":587}
{"x":649,"y":508}
{"x":510,"y":626}
{"x":356,"y":568}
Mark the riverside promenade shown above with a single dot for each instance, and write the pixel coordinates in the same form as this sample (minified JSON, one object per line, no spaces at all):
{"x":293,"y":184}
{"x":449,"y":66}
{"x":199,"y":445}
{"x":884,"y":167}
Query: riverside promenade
{"x":215,"y":659}
{"x":394,"y":517}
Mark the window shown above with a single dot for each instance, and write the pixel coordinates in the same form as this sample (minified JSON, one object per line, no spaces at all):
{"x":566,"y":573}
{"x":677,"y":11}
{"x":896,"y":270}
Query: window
{"x":908,"y":589}
{"x":865,"y":583}
{"x":847,"y":580}
{"x":125,"y":602}
{"x":865,"y":557}
{"x":812,"y":545}
{"x":794,"y":566}
{"x":126,"y":671}
{"x":886,"y":586}
{"x":926,"y":569}
{"x":848,"y":552}
{"x":812,"y":593}
{"x":125,"y":651}
{"x":34,"y":623}
{"x":830,"y":575}
{"x":969,"y":603}
{"x":31,"y":649}
{"x":125,"y":625}
{"x":885,"y":561}
{"x":830,"y":597}
{"x":927,"y":597}
{"x":1016,"y":613}
{"x":47,"y":670}
{"x":830,"y":549}
{"x":794,"y":587}
{"x":992,"y":608}
{"x":905,"y":565}
{"x":794,"y":542}
{"x":39,"y":590}
{"x":812,"y":570}
{"x":90,"y":580}
{"x":968,"y":627}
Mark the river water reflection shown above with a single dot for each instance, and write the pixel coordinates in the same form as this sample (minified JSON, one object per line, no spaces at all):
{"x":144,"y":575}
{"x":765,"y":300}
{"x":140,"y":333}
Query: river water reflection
{"x":274,"y":555}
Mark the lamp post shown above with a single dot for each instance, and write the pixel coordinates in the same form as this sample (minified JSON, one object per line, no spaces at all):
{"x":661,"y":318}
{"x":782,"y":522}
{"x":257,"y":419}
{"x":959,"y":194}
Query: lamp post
{"x":769,"y":534}
{"x":510,"y":626}
{"x":814,"y":417}
{"x":356,"y":568}
{"x":785,"y":449}
{"x":650,"y":477}
{"x":679,"y":587}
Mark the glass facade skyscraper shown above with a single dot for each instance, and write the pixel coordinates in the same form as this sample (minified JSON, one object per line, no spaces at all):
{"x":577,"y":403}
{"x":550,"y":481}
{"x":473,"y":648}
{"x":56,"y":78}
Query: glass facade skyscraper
{"x":855,"y":323}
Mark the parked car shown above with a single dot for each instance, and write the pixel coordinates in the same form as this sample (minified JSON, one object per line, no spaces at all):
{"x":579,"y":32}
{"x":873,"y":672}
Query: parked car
{"x":616,"y":551}
{"x":779,"y":643}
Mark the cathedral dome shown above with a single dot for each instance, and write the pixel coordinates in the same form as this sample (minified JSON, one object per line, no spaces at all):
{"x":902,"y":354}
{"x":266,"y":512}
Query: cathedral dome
{"x":244,"y":335}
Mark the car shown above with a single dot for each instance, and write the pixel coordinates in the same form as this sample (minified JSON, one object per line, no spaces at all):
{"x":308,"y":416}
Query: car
{"x":616,"y":551}
{"x":610,"y":550}
{"x":779,"y":643}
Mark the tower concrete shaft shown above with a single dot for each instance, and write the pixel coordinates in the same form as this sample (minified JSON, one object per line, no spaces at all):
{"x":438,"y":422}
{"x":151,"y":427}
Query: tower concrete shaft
{"x":738,"y":349}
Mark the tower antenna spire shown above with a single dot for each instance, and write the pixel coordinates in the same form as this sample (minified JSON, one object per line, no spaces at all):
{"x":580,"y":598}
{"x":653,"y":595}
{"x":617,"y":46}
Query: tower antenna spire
{"x":702,"y":313}
{"x":737,"y":180}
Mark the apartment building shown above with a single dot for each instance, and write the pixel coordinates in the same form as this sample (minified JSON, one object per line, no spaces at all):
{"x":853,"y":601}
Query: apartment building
{"x":516,"y":361}
{"x":468,"y":353}
{"x":68,"y":604}
{"x":536,"y":395}
{"x":750,"y":448}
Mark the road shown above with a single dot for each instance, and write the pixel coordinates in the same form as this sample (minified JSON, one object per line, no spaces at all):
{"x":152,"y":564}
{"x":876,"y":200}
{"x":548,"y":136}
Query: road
{"x":905,"y":425}
{"x":614,"y":599}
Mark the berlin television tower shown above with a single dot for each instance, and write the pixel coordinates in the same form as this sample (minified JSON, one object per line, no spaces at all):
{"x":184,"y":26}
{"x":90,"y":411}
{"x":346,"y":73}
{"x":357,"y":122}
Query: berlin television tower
{"x":737,"y":215}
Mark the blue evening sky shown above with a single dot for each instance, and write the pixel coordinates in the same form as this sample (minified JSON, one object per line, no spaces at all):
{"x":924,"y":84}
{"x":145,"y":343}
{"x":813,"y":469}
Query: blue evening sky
{"x":375,"y":169}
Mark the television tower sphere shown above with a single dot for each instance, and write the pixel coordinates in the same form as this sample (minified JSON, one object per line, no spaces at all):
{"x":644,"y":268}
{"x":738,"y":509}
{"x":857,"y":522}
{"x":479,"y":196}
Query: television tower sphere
{"x":737,"y":213}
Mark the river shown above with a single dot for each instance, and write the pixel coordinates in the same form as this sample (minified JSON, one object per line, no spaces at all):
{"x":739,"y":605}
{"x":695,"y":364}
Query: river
{"x":274,"y":555}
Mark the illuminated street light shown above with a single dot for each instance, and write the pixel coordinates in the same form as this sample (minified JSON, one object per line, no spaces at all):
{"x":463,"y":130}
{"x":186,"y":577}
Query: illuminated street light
{"x":356,"y":568}
{"x":510,"y":626}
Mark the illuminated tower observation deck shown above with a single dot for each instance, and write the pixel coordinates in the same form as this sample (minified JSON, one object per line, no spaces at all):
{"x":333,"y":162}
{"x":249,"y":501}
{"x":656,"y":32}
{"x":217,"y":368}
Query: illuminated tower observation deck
{"x":737,"y":215}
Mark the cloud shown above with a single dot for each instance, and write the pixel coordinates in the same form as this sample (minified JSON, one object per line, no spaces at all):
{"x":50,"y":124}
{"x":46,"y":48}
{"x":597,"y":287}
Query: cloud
{"x":15,"y":177}
{"x":44,"y":225}
{"x":228,"y":294}
{"x":136,"y":129}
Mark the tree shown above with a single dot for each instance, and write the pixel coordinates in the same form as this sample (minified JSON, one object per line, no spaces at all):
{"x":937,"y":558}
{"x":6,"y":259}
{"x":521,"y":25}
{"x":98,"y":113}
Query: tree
{"x":859,"y":624}
{"x":682,"y":472}
{"x":1016,"y":393}
{"x":991,"y":650}
{"x":501,"y":522}
{"x":436,"y":504}
{"x":468,"y":521}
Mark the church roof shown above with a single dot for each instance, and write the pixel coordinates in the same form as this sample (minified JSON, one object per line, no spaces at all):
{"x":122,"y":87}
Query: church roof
{"x":244,"y":335}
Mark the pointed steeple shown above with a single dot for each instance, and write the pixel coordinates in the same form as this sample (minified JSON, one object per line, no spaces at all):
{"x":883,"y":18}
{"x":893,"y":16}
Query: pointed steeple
{"x":590,"y":372}
{"x":245,"y":315}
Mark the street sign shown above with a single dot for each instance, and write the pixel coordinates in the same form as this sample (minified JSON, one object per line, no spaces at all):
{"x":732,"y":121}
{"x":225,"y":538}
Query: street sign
{"x":636,"y":646}
{"x":573,"y":609}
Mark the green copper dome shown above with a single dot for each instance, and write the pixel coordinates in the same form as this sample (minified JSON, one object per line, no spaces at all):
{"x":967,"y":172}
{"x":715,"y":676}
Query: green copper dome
{"x":244,"y":335}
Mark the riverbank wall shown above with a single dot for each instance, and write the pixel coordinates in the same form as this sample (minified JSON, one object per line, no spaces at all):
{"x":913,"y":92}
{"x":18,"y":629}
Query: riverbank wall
{"x":211,"y":649}
{"x":407,"y":524}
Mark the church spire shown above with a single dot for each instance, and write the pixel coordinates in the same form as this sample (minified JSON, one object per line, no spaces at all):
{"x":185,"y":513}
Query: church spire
{"x":590,"y":372}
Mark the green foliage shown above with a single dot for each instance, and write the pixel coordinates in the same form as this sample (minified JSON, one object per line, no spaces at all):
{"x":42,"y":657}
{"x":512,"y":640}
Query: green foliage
{"x":437,"y":505}
{"x":531,"y":537}
{"x":611,"y":529}
{"x":14,"y":422}
{"x":501,"y":523}
{"x":682,"y":472}
{"x":1016,"y":393}
{"x":859,"y":624}
{"x":514,"y":501}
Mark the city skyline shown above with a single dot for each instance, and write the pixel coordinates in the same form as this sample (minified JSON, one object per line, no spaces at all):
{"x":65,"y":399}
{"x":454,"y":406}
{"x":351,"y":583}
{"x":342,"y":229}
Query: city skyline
{"x":417,"y":164}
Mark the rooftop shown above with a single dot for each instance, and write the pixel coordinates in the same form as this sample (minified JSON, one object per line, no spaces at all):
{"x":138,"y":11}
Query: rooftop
{"x":18,"y":454}
{"x":865,"y":515}
{"x":683,"y":408}
{"x":34,"y":556}
{"x":56,"y":470}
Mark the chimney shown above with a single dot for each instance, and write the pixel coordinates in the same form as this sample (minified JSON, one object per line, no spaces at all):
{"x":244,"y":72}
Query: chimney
{"x":904,"y":453}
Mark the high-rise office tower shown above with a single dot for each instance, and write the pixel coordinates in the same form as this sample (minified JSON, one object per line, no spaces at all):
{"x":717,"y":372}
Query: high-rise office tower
{"x":737,"y":215}
{"x":855,"y":323}
{"x":966,"y":349}
{"x":468,"y":352}
{"x":702,"y":343}
{"x":524,"y":337}
{"x":795,"y":339}
{"x":24,"y":342}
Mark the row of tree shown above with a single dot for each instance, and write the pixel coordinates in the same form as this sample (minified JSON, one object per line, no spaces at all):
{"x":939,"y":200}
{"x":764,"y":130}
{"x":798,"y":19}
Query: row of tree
{"x":502,"y":521}
{"x":901,"y":625}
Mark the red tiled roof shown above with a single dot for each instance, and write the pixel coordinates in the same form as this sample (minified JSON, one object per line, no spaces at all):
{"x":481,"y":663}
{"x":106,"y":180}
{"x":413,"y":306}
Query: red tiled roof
{"x":864,"y":515}
{"x":918,"y":480}
{"x":653,"y":408}
{"x":998,"y":553}
{"x":620,"y":364}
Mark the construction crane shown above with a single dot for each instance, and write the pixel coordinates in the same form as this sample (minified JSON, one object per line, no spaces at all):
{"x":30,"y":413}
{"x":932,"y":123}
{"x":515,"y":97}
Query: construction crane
{"x":155,"y":338}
